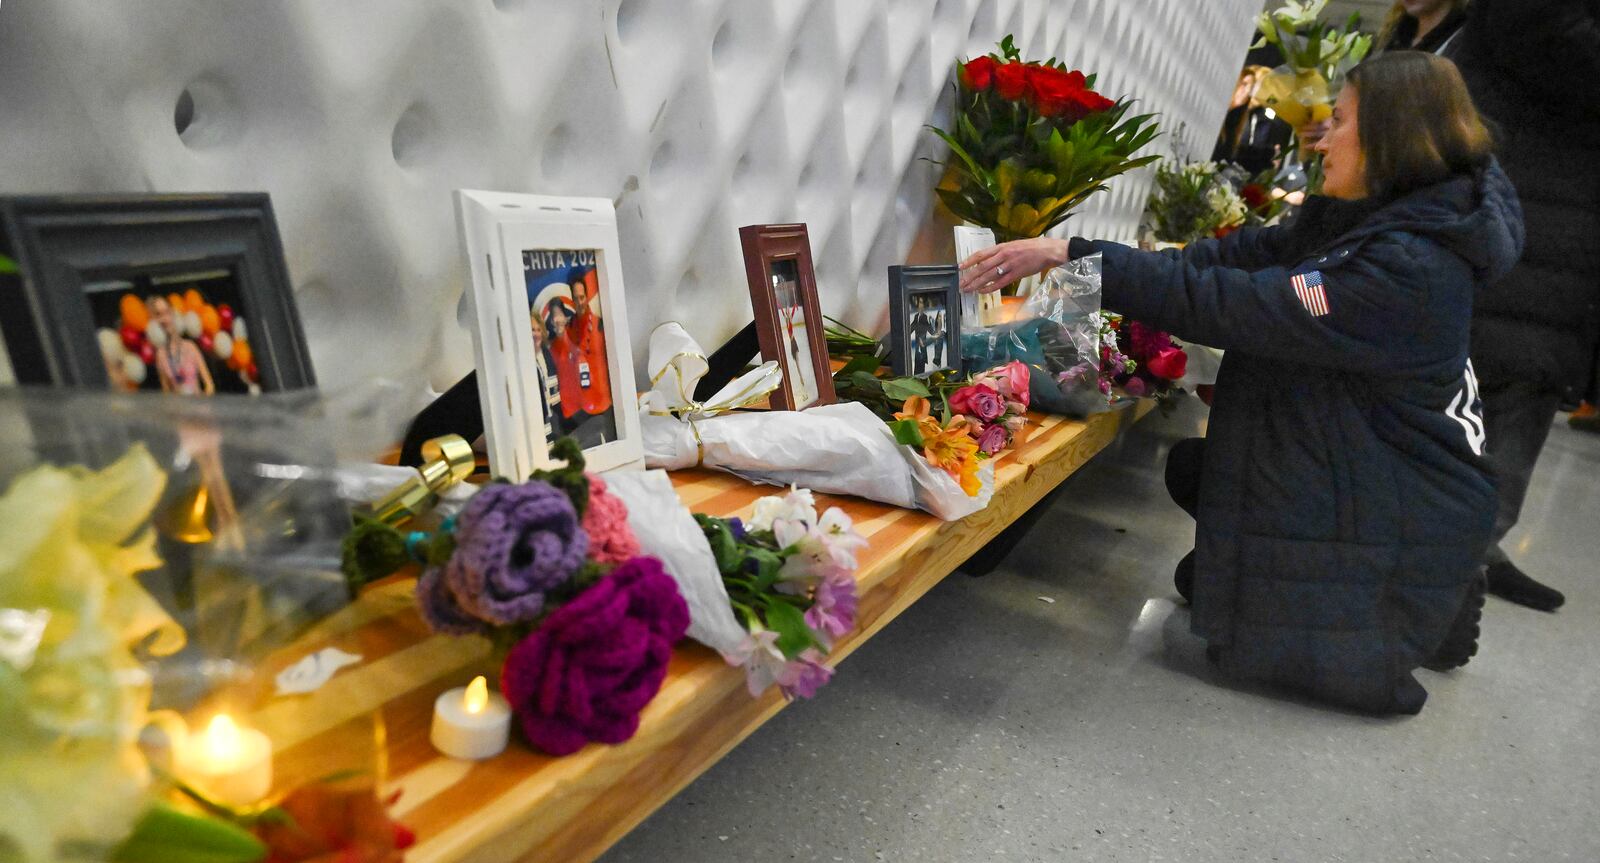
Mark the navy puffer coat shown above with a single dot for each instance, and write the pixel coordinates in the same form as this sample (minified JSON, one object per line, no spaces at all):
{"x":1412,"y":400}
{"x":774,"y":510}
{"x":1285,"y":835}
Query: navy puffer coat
{"x":1344,"y":499}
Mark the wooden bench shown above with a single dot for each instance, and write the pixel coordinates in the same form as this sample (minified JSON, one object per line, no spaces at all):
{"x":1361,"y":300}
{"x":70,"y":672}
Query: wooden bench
{"x":526,"y":806}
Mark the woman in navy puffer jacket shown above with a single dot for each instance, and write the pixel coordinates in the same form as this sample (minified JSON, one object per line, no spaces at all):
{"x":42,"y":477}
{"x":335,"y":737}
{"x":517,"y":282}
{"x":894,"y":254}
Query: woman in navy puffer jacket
{"x":1341,"y":495}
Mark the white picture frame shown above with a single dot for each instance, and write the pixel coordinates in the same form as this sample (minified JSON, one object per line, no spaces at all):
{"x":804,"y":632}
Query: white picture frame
{"x":520,"y":250}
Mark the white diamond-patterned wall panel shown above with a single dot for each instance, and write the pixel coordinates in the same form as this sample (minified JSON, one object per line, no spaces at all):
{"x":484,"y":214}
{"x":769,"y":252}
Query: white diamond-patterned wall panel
{"x":694,"y":116}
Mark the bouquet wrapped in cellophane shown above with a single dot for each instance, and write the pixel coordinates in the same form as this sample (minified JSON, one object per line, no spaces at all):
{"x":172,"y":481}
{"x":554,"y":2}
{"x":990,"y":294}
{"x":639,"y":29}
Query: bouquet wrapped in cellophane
{"x":1315,"y":55}
{"x":159,"y":557}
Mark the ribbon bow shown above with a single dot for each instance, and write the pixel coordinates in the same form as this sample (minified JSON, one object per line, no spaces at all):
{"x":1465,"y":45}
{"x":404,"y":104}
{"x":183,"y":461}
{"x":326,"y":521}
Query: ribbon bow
{"x":676,"y":366}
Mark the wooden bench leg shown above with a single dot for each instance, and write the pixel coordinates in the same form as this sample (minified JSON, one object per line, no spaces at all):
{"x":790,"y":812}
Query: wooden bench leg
{"x":989,"y":557}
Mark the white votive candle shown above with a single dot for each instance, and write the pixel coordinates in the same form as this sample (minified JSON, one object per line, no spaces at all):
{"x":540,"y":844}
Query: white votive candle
{"x":471,"y":722}
{"x":229,"y":763}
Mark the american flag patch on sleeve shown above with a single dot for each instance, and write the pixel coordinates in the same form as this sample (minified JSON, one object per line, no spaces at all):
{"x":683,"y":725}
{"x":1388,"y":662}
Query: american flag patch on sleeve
{"x":1308,"y":287}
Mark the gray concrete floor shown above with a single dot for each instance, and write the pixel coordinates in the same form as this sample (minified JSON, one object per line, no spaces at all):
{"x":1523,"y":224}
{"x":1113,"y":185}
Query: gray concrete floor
{"x":990,"y":723}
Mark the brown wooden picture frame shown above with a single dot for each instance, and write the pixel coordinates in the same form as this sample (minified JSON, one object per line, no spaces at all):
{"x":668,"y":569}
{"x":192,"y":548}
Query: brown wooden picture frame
{"x":767,"y":245}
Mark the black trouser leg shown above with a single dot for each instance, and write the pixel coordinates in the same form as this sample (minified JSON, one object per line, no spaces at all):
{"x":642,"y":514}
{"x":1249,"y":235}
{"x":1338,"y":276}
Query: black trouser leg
{"x":1183,"y":483}
{"x":1183,"y":473}
{"x":1517,"y":418}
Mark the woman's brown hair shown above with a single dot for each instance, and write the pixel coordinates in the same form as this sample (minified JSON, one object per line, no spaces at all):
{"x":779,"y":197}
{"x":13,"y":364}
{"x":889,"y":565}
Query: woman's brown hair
{"x":1397,"y":15}
{"x":1418,"y":124}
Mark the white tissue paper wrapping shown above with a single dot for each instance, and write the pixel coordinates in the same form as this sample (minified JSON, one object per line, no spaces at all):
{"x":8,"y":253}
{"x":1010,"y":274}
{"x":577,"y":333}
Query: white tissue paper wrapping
{"x":667,"y":531}
{"x":664,"y":526}
{"x":834,"y":449}
{"x":1204,"y":363}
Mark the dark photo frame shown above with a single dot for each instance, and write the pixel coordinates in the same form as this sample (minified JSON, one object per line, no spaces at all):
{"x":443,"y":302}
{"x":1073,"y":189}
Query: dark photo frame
{"x":209,"y":269}
{"x":788,"y":313}
{"x":924,"y":319}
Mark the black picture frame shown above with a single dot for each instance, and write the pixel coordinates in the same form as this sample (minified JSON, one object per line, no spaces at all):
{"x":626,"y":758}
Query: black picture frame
{"x":54,"y":247}
{"x":906,"y":284}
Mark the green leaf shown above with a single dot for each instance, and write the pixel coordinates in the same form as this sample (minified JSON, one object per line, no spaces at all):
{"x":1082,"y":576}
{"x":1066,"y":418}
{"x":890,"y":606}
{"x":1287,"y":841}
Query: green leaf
{"x":975,"y":170}
{"x":900,"y":389}
{"x":790,"y":624}
{"x":906,"y":433}
{"x":865,"y":363}
{"x":866,"y":381}
{"x":166,"y":835}
{"x":768,"y":563}
{"x":723,"y":546}
{"x":8,"y":267}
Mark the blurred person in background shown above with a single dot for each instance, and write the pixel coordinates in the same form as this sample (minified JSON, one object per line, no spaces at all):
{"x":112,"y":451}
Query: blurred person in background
{"x":1532,"y":67}
{"x":1422,"y":25}
{"x":1252,"y":135}
{"x":1411,"y":25}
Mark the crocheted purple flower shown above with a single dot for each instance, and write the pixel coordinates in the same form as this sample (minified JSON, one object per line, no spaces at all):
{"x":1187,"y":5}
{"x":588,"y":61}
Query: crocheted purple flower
{"x":439,"y":607}
{"x":513,"y":544}
{"x":597,"y":661}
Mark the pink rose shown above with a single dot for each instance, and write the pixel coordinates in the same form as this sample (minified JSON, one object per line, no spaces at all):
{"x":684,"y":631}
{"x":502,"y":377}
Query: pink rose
{"x":993,"y":439}
{"x":1134,"y":386}
{"x":1169,"y":363}
{"x":980,"y":400}
{"x":1011,"y":380}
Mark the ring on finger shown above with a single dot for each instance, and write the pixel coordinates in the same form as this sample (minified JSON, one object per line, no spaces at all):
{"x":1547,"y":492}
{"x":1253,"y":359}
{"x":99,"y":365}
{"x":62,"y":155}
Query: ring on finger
{"x":1000,"y":270}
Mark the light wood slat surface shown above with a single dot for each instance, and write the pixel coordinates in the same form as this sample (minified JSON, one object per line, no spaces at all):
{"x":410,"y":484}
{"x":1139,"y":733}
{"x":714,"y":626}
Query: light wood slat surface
{"x":526,"y":806}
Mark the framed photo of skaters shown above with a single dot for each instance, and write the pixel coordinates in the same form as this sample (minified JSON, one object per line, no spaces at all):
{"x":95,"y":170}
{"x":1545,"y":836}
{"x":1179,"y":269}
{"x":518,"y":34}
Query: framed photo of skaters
{"x":788,"y":313}
{"x":550,"y":332}
{"x":924,"y":319}
{"x":184,"y":294}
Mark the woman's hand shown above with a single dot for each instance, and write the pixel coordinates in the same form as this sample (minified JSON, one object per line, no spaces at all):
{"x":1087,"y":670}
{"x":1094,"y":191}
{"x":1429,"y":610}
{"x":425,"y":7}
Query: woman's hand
{"x":997,"y":266}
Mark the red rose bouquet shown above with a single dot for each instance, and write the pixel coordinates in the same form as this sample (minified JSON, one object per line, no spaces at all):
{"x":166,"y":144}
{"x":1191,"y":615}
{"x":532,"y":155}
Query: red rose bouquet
{"x":1030,"y":141}
{"x":1144,"y":361}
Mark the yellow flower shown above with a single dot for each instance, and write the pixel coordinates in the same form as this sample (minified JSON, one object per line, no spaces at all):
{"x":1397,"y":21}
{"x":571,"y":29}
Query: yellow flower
{"x":72,"y":696}
{"x":953,"y":451}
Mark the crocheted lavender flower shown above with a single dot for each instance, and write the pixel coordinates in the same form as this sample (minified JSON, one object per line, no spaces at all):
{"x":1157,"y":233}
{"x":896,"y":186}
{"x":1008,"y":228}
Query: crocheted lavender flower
{"x":439,"y":607}
{"x":513,"y":544}
{"x":594,"y":663}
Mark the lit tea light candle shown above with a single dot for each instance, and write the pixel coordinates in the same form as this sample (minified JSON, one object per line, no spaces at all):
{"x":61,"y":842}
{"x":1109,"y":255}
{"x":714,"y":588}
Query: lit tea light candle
{"x":471,"y":722}
{"x":231,"y":764}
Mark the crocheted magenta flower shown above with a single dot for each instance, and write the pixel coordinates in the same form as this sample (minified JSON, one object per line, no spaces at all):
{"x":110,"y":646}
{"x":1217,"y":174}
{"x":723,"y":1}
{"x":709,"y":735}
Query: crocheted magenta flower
{"x":597,"y":661}
{"x":611,"y":540}
{"x":513,"y":544}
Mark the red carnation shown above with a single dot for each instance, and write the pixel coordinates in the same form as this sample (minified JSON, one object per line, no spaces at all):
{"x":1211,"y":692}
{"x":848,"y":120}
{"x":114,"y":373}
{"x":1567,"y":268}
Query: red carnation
{"x":978,"y":74}
{"x":1011,"y":80}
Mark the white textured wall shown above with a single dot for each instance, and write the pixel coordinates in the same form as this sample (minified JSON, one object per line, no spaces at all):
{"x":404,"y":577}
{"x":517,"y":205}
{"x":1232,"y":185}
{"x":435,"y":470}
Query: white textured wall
{"x":695,"y":116}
